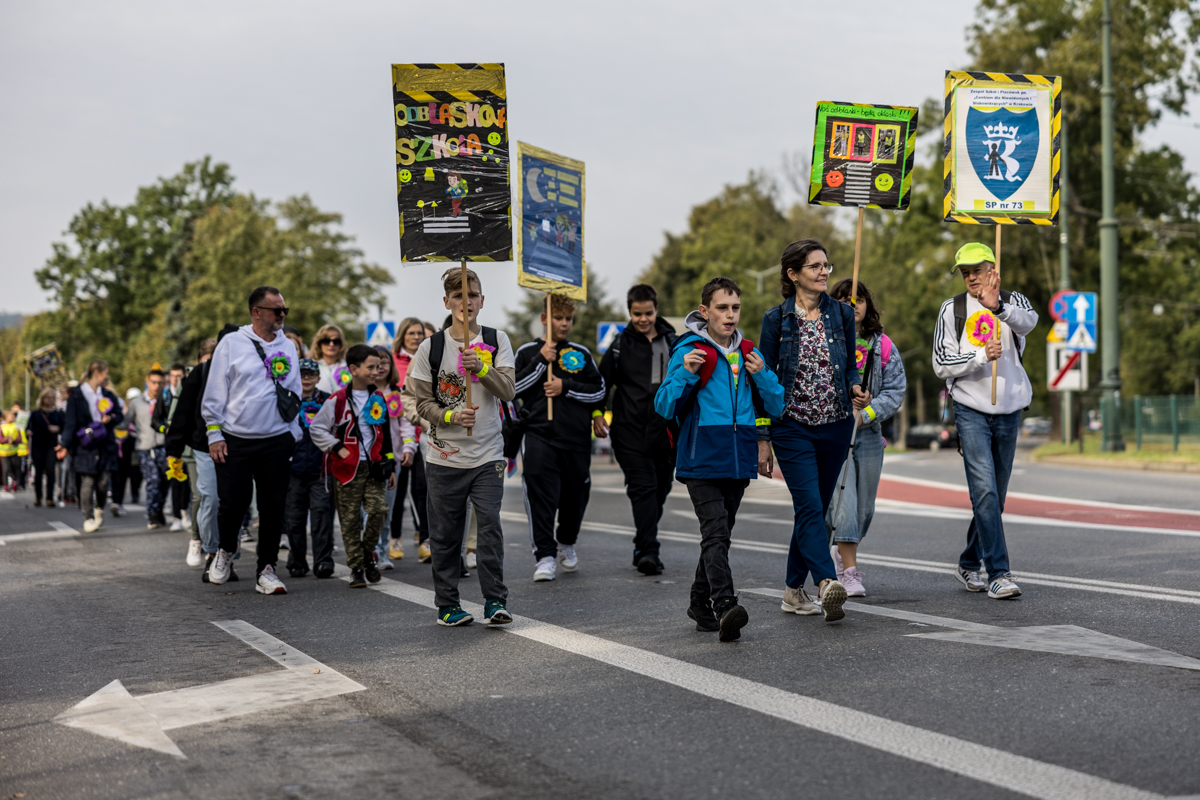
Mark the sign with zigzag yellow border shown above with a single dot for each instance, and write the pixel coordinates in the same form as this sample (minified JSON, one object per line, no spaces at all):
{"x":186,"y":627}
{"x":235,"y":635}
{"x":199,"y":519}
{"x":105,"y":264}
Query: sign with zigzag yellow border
{"x":863,"y":155}
{"x":1002,"y":140}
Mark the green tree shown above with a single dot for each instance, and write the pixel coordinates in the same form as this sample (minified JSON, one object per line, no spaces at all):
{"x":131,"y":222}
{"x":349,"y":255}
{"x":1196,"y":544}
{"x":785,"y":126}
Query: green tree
{"x":524,"y":323}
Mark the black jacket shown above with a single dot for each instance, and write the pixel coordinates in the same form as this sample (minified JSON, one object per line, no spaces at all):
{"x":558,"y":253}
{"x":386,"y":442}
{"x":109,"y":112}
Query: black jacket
{"x":627,"y":370}
{"x":101,"y":457}
{"x":187,"y":426}
{"x":307,"y":457}
{"x":583,"y":390}
{"x":40,"y":437}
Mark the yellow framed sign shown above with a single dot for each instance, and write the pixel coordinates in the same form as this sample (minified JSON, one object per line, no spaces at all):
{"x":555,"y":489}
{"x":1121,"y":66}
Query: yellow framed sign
{"x":550,"y":209}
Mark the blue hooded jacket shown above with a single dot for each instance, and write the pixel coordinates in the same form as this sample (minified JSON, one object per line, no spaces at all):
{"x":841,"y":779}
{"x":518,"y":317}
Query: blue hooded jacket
{"x":718,"y":438}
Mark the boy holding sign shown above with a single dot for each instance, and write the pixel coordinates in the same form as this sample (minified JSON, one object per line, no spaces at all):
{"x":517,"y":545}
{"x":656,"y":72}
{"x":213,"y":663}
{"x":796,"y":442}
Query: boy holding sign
{"x":982,"y":326}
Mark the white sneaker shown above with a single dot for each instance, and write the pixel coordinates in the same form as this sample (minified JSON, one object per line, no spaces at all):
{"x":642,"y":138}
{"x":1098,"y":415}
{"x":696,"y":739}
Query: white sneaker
{"x":176,"y":524}
{"x":566,"y":554}
{"x":546,"y":569}
{"x":269,"y":583}
{"x":98,"y":515}
{"x":194,"y":557}
{"x":90,"y":525}
{"x":1003,"y":587}
{"x":471,"y":560}
{"x":187,"y":520}
{"x":970,"y":579}
{"x":117,"y":510}
{"x":221,"y":566}
{"x":852,"y":580}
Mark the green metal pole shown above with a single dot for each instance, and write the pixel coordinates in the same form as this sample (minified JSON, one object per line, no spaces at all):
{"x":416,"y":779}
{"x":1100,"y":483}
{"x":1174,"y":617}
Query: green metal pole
{"x":1175,"y":422}
{"x":1064,"y":261}
{"x":1110,"y":355}
{"x":1137,"y":419}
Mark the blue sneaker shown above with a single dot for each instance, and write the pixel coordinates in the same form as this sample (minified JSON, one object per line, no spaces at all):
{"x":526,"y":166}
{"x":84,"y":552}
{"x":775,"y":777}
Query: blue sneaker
{"x":453,"y":616}
{"x":494,"y":613}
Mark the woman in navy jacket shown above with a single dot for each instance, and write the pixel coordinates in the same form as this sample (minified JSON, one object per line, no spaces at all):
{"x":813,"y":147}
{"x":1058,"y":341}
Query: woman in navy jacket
{"x":808,"y":341}
{"x":93,"y":462}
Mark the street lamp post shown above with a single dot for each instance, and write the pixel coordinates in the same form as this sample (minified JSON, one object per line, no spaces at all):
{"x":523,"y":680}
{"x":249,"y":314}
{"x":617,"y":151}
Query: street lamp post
{"x":1110,"y":355}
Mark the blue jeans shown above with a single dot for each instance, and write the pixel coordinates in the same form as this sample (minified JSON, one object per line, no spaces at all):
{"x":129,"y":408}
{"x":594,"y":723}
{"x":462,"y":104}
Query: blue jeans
{"x":988,"y":443}
{"x":862,"y":483}
{"x":206,"y":500}
{"x":810,"y":457}
{"x":154,"y":473}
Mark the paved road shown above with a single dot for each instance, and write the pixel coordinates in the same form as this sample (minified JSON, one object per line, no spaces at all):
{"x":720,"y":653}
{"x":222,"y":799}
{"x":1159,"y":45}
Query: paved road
{"x":602,"y":689}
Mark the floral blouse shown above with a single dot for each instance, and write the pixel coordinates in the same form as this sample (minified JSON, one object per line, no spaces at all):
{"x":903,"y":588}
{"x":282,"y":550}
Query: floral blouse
{"x":814,"y":399}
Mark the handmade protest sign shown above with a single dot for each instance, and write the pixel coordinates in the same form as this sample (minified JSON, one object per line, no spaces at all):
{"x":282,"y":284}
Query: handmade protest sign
{"x":863,"y":155}
{"x":452,"y":162}
{"x":1002,"y":148}
{"x":550,"y":242}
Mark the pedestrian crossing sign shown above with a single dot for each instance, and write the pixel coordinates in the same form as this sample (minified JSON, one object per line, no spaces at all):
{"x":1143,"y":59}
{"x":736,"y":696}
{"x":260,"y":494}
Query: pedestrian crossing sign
{"x":863,"y":155}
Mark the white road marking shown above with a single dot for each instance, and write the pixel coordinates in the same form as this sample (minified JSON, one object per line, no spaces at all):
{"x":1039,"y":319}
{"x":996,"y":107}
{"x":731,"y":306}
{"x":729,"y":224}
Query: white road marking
{"x":61,"y":530}
{"x":142,"y":721}
{"x":1067,"y":640}
{"x":975,"y":761}
{"x":1185,"y":596}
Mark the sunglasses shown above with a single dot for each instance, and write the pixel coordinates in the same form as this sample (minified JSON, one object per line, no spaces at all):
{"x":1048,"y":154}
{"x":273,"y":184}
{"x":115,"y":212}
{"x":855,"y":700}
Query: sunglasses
{"x":336,"y":342}
{"x":279,"y":312}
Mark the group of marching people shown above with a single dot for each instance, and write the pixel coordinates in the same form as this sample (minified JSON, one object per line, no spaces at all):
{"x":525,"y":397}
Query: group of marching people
{"x":301,"y":432}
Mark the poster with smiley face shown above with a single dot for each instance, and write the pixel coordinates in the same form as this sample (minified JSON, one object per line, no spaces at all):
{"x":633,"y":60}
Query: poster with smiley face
{"x":863,"y":155}
{"x":452,"y":184}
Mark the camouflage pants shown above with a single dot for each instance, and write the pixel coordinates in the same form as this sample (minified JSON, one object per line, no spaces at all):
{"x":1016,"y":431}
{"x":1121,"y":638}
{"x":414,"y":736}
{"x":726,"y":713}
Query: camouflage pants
{"x":358,"y":497}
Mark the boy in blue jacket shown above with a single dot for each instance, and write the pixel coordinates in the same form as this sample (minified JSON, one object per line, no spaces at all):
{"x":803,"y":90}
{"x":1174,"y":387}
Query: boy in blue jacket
{"x":717,"y":391}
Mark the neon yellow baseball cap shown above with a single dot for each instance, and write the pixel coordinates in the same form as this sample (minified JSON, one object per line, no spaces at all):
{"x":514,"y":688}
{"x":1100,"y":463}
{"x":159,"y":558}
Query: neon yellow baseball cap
{"x":972,"y":254}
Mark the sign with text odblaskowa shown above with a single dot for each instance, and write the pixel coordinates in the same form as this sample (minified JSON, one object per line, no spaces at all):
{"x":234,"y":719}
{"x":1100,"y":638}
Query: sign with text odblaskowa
{"x":550,"y":240}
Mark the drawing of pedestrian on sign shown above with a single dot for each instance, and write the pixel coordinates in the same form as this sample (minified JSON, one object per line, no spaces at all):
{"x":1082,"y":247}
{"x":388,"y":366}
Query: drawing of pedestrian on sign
{"x":862,"y":142}
{"x":457,"y":190}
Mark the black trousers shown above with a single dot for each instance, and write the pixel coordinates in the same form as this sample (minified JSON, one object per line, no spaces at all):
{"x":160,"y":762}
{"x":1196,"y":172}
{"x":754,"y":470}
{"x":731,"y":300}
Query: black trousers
{"x":648,"y":480}
{"x":266,"y":462}
{"x":307,"y":497}
{"x":716,"y":503}
{"x":45,"y":465}
{"x":556,"y":481}
{"x":181,"y":497}
{"x":415,"y":474}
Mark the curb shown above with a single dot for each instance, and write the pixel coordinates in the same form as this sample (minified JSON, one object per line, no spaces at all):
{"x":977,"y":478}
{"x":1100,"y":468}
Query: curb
{"x":1144,"y":466}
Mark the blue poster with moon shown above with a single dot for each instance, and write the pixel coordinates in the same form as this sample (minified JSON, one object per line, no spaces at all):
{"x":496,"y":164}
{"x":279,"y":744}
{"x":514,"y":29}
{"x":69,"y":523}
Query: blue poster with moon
{"x":550,"y":242}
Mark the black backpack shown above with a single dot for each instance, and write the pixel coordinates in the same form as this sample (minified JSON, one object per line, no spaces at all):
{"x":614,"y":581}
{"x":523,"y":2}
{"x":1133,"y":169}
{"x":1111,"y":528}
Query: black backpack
{"x":511,"y":428}
{"x":960,"y":319}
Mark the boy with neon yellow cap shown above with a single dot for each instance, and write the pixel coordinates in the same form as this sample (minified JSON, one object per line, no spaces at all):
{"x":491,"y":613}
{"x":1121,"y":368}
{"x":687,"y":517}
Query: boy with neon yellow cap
{"x":982,"y":325}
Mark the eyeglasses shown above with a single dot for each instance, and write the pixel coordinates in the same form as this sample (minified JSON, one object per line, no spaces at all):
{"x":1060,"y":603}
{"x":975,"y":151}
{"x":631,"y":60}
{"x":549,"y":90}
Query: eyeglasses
{"x":818,"y":267}
{"x":279,"y":312}
{"x":334,"y":342}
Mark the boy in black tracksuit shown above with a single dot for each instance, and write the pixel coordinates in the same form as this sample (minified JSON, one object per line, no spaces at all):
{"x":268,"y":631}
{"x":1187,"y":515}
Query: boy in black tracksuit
{"x":633,"y":369}
{"x":558,"y":452}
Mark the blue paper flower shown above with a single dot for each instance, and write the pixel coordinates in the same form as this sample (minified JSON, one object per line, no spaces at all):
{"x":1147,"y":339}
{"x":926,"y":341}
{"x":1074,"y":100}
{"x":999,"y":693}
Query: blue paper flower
{"x":571,"y":360}
{"x":375,"y":411}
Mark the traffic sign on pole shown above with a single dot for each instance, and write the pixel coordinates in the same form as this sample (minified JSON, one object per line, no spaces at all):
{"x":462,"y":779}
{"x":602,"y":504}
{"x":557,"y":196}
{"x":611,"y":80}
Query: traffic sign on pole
{"x":607,"y":333}
{"x":1066,"y":369}
{"x":381,"y":333}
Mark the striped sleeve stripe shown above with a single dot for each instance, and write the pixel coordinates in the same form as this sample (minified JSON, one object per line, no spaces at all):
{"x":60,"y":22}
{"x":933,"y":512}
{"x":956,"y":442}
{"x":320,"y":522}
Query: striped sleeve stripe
{"x":1020,"y":301}
{"x":530,"y":379}
{"x":592,"y":397}
{"x":940,"y":354}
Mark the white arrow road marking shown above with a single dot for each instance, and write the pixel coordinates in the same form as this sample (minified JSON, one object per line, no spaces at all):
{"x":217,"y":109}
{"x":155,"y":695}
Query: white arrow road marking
{"x":61,"y":531}
{"x":141,"y":721}
{"x":975,"y":761}
{"x":1067,"y":640}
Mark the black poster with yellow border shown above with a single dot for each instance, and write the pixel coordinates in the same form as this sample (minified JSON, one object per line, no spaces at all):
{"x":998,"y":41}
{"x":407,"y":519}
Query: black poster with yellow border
{"x":452,"y":162}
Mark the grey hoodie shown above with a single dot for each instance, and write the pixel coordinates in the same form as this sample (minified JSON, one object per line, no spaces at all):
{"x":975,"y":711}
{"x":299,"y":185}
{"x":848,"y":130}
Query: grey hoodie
{"x":140,"y":412}
{"x":699,"y":326}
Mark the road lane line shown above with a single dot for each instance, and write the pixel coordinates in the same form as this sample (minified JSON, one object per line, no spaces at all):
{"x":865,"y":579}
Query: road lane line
{"x":61,"y":530}
{"x":914,"y":565}
{"x":974,"y":761}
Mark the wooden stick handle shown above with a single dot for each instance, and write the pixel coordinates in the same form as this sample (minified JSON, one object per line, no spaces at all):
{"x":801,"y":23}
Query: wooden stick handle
{"x":466,"y":327}
{"x":857,"y":254}
{"x":999,"y":228}
{"x":549,"y":367}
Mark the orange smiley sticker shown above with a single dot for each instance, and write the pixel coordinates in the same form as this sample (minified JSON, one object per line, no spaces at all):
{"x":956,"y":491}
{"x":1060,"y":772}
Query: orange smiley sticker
{"x":835,"y":179}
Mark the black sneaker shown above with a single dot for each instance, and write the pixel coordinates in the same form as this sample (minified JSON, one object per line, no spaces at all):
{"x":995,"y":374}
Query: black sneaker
{"x":370,"y":568}
{"x":208,"y":563}
{"x":324,"y":570}
{"x":357,"y":579}
{"x":705,"y":619}
{"x":733,"y":619}
{"x":649,"y":565}
{"x":233,"y":578}
{"x":298,"y":571}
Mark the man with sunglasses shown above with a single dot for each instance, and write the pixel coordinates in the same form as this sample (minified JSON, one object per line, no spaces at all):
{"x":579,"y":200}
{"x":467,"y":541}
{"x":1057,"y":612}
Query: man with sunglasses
{"x":248,"y":437}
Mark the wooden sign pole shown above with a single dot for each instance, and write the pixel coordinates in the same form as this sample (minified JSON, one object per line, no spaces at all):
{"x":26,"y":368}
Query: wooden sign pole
{"x":857,"y":253}
{"x":999,"y":228}
{"x":466,"y":328}
{"x":550,"y":366}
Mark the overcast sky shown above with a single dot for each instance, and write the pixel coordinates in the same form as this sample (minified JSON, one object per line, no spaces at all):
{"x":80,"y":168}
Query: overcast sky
{"x":664,"y":101}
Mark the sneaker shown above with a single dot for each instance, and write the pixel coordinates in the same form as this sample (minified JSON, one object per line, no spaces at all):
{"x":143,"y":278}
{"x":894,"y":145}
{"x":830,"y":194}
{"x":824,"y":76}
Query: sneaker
{"x":837,"y":560}
{"x":546,"y":569}
{"x":649,"y":565}
{"x":471,"y":560}
{"x":195,"y":555}
{"x":37,"y":502}
{"x":424,"y":554}
{"x":90,"y":525}
{"x":208,"y":559}
{"x":357,"y":579}
{"x":495,"y":613}
{"x":370,"y":569}
{"x":970,"y":578}
{"x":187,"y":523}
{"x":298,"y":571}
{"x":284,"y":544}
{"x":1003,"y":587}
{"x":732,"y":620}
{"x":222,"y":565}
{"x":798,"y":601}
{"x":152,"y":525}
{"x":98,"y":515}
{"x":396,"y":549}
{"x":453,"y":616}
{"x":832,"y":596}
{"x":245,"y":536}
{"x":382,"y":560}
{"x":566,"y":554}
{"x":324,"y":570}
{"x":269,"y":583}
{"x":176,"y":525}
{"x":704,"y":617}
{"x":117,"y":510}
{"x":852,"y":580}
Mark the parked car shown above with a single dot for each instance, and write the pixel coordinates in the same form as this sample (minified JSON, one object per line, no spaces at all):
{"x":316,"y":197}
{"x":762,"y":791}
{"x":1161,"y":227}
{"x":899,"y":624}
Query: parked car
{"x":1035,"y":426}
{"x":931,"y":436}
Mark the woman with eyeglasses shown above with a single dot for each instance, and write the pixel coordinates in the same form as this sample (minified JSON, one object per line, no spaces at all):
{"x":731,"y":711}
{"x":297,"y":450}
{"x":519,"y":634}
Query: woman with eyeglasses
{"x":883,"y":376}
{"x":808,"y":340}
{"x":329,"y":349}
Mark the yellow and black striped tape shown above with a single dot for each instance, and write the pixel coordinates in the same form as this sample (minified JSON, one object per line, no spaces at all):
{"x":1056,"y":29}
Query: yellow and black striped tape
{"x":957,"y":78}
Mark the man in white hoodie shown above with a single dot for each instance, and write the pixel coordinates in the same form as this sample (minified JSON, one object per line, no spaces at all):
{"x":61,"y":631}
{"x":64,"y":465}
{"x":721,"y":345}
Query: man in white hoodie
{"x":248,"y":436}
{"x":979,"y":327}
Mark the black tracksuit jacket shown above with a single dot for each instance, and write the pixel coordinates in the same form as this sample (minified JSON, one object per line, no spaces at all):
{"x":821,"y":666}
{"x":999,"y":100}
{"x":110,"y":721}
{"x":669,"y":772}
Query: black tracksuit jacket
{"x":583,"y":391}
{"x":626,"y":369}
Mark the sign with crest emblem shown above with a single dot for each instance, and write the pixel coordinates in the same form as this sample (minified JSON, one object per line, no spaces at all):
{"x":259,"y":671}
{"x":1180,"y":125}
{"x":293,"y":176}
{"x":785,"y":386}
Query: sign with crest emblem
{"x":1002,"y":139}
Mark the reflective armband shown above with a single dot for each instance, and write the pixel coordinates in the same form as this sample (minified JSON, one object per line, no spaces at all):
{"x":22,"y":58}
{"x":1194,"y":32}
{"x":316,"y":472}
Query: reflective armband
{"x":446,"y":417}
{"x":597,"y":413}
{"x":870,"y":412}
{"x":763,"y":422}
{"x":391,"y":456}
{"x":484,"y":370}
{"x":410,"y":439}
{"x":213,"y":428}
